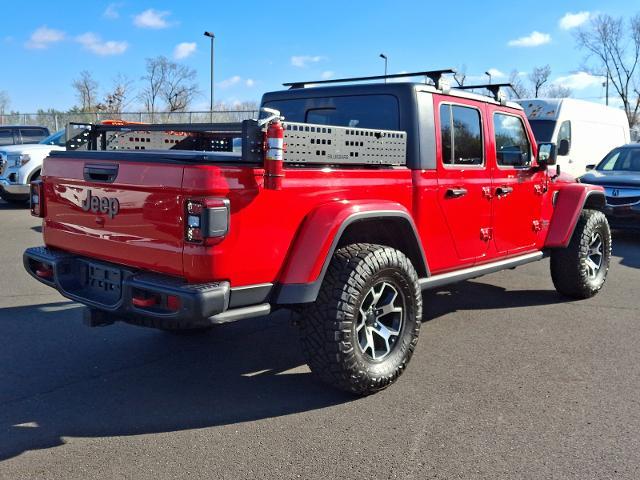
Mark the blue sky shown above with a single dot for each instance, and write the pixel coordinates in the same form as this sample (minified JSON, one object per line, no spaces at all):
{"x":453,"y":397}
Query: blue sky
{"x":259,"y":45}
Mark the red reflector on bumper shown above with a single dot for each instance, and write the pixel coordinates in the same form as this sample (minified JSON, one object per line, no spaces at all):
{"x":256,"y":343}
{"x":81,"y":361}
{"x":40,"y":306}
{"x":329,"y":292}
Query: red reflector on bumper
{"x":173,"y":303}
{"x":44,"y":271}
{"x":144,"y":302}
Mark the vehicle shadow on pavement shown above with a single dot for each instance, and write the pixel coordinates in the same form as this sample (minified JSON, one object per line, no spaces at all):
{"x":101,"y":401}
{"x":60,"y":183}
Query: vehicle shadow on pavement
{"x":59,"y":378}
{"x":15,"y":206}
{"x":471,"y":295}
{"x":626,"y":245}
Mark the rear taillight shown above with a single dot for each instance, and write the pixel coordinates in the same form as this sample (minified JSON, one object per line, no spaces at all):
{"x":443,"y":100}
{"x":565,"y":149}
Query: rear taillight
{"x":37,"y":198}
{"x":206,"y":220}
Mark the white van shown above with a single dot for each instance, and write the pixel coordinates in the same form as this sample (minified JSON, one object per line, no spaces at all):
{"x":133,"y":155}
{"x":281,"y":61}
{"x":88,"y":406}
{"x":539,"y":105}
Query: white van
{"x":583,"y":131}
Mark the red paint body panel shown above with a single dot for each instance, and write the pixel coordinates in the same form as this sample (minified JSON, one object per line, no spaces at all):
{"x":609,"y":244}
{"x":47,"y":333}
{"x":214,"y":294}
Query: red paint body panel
{"x":146,"y":233}
{"x":569,"y":204}
{"x":264,"y":223}
{"x":284,"y":236}
{"x":318,"y":231}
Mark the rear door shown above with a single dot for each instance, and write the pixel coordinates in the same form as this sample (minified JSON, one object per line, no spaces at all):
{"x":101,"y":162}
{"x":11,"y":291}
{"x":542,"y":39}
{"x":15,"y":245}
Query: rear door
{"x":123,"y":211}
{"x":518,"y":187}
{"x":463,"y":176}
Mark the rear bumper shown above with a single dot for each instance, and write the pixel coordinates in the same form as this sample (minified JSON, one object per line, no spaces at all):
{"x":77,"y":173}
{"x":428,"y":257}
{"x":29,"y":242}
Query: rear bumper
{"x":112,"y":289}
{"x":623,"y":217}
{"x":14,"y":188}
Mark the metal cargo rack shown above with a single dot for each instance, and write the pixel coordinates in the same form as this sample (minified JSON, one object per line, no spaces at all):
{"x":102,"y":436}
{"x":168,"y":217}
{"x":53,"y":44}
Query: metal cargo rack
{"x":305,"y":143}
{"x":324,"y":144}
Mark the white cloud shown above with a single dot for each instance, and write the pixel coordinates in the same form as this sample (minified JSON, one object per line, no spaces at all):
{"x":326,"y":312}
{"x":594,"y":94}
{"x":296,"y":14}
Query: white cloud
{"x":43,"y":37}
{"x":579,"y":81}
{"x":236,"y":80}
{"x":495,"y":73}
{"x":111,"y":12}
{"x":184,"y":50}
{"x":304,"y":60}
{"x":534,"y":40}
{"x":151,"y":19}
{"x":93,"y":43}
{"x":573,"y":20}
{"x":326,"y":75}
{"x":230,"y":82}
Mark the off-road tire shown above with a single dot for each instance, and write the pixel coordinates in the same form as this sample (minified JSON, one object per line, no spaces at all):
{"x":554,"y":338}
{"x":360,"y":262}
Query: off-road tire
{"x":569,"y":270}
{"x":328,"y":326}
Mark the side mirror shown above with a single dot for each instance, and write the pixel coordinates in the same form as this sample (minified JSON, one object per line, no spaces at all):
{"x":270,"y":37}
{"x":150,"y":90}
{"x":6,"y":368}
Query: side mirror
{"x":547,"y":154}
{"x":563,"y":147}
{"x":590,"y":167}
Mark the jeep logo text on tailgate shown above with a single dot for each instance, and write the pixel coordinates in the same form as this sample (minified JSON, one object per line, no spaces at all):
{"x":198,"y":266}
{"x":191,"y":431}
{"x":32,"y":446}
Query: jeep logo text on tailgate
{"x":101,"y":204}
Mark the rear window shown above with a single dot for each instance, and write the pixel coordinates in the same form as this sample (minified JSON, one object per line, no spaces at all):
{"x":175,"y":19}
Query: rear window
{"x":622,"y":159}
{"x":33,"y":135}
{"x":6,"y":137}
{"x":362,"y":111}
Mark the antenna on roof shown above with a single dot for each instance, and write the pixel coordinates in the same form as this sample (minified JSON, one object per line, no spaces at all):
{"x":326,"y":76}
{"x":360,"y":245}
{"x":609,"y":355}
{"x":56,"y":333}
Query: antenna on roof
{"x":434,"y":75}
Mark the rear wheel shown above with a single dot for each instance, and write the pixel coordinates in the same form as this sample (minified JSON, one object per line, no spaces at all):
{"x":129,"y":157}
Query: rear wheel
{"x":361,"y":332}
{"x":580,"y":269}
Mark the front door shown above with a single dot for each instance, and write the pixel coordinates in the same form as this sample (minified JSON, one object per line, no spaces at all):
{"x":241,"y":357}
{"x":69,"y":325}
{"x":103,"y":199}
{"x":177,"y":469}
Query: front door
{"x":463,"y":176}
{"x":517,"y":187}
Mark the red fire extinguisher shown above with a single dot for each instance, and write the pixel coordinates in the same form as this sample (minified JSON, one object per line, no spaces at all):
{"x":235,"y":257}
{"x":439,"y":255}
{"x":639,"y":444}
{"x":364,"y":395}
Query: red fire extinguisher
{"x":274,"y":158}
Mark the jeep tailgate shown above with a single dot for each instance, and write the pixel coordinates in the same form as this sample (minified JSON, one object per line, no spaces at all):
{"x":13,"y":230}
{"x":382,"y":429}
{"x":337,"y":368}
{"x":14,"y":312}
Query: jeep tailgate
{"x":132,"y":211}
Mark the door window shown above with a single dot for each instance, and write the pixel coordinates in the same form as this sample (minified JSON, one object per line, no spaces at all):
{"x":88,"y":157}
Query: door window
{"x":32,"y":135}
{"x":461,"y":134}
{"x":6,"y":137}
{"x":512,"y":144}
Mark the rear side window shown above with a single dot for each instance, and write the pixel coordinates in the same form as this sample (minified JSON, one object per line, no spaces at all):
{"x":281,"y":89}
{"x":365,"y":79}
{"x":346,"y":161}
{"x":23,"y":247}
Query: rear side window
{"x":512,"y":144}
{"x":361,"y":111}
{"x":6,"y":137}
{"x":32,"y":135}
{"x":461,"y":134}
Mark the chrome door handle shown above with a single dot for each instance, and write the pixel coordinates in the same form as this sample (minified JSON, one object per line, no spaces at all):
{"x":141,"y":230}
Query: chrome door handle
{"x":504,"y":190}
{"x":456,"y":192}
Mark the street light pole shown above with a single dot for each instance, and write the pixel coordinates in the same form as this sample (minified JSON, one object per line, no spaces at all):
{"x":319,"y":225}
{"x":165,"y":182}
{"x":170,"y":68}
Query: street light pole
{"x":488,"y":75}
{"x":383,"y":56}
{"x":212,"y":37}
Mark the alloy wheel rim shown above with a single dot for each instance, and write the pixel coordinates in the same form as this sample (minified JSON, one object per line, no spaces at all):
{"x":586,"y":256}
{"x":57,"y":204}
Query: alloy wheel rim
{"x":595,"y":255}
{"x":380,"y":320}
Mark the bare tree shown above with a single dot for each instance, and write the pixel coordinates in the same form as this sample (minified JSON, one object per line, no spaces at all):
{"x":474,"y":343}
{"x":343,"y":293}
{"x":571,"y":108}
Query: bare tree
{"x":117,"y":99}
{"x":154,"y":79}
{"x":614,"y":46}
{"x":461,"y":75}
{"x":519,"y":90}
{"x":5,"y":101}
{"x":168,"y":82}
{"x":538,"y":78}
{"x":86,"y":91}
{"x":557,"y":91}
{"x":179,"y":87}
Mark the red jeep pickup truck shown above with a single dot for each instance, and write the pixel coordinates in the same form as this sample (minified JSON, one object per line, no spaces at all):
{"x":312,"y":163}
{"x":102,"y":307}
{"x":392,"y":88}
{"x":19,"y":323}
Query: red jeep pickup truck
{"x":382,"y":190}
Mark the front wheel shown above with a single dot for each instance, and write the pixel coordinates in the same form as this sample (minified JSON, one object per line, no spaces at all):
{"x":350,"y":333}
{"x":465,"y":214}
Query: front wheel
{"x":361,"y":332}
{"x":580,"y":269}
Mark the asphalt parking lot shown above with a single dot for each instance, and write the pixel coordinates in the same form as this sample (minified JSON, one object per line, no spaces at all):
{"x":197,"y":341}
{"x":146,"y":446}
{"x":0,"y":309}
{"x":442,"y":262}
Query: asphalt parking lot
{"x":509,"y":381}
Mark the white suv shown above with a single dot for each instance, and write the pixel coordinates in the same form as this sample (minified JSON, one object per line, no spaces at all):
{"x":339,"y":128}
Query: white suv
{"x":21,"y":164}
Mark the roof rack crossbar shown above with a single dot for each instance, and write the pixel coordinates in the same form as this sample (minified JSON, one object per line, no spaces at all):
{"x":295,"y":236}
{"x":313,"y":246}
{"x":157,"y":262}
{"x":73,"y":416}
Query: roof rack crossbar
{"x":433,"y":75}
{"x":494,"y":88}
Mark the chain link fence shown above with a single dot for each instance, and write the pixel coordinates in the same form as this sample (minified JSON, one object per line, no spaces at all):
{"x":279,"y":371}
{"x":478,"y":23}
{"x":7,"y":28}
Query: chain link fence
{"x":57,"y":121}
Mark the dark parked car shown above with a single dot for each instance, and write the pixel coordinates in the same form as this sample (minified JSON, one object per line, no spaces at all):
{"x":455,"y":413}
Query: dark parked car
{"x":619,"y":174}
{"x":18,"y":134}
